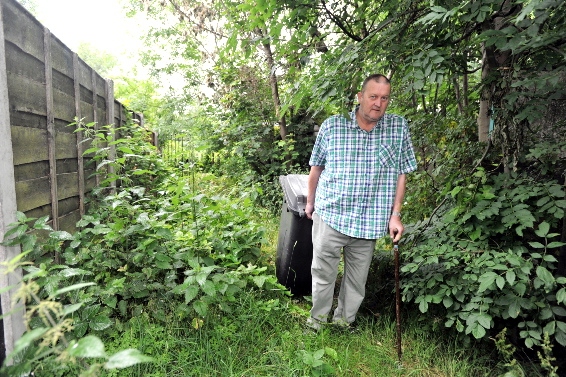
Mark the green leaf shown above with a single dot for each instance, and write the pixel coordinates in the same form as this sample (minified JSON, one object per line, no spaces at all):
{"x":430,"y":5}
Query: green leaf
{"x":111,"y":301}
{"x":558,"y":310}
{"x":484,"y":319}
{"x":500,"y":282}
{"x":201,"y":277}
{"x":126,"y":358}
{"x":331,"y":352}
{"x":201,"y":308}
{"x":514,"y":309}
{"x":550,"y":328}
{"x":486,"y":280}
{"x":190,"y":293}
{"x":555,"y":244}
{"x":259,"y":280}
{"x":89,"y":346}
{"x":536,"y":245}
{"x":447,"y":301}
{"x":71,"y":288}
{"x":545,"y":276}
{"x":543,"y":229}
{"x":529,"y":342}
{"x":61,"y":235}
{"x":545,"y":313}
{"x":80,"y":329}
{"x":456,"y":190}
{"x":478,"y":331}
{"x":307,"y":357}
{"x":423,"y":306}
{"x":315,"y":364}
{"x":561,"y":296}
{"x":209,"y":288}
{"x":68,"y":309}
{"x":163,"y":265}
{"x":510,"y":276}
{"x":560,"y":337}
{"x":100,"y":322}
{"x":16,"y":232}
{"x":549,"y":258}
{"x":318,"y":354}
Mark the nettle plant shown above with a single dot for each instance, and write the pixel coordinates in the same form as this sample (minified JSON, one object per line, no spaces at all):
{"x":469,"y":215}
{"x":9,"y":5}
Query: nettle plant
{"x":158,"y":243}
{"x":164,"y":241}
{"x":491,"y":260}
{"x":48,"y":295}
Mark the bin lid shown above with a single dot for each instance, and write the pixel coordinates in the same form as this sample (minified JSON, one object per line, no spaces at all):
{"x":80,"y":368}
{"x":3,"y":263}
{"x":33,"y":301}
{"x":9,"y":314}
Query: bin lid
{"x":295,"y":190}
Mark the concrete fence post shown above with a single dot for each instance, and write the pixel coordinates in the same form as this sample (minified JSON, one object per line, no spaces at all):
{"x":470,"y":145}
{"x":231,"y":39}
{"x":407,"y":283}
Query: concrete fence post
{"x":13,"y":324}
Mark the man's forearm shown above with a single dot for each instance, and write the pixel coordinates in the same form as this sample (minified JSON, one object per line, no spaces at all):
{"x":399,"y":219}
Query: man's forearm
{"x":314,"y":175}
{"x":399,"y":193}
{"x":312,"y":183}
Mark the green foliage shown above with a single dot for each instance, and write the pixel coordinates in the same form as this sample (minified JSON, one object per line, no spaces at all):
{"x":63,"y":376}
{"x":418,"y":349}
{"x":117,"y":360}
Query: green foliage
{"x":102,"y":62}
{"x":122,"y":155}
{"x":491,"y":259}
{"x":507,"y":352}
{"x":314,"y":361}
{"x":159,"y":242}
{"x":163,"y":240}
{"x":444,"y":149}
{"x":48,"y":293}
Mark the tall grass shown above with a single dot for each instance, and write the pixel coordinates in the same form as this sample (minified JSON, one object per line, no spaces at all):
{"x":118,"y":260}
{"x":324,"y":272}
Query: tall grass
{"x":259,"y":341}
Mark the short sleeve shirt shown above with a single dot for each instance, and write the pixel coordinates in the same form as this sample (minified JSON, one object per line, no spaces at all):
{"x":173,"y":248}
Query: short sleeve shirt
{"x":356,"y":189}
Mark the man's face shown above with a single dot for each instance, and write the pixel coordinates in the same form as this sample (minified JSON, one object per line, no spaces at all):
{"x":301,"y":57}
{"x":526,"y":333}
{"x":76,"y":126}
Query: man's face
{"x":374,"y":100}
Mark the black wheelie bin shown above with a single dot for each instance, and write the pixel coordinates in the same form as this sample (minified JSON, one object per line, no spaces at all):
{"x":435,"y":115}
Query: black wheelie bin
{"x":294,"y":247}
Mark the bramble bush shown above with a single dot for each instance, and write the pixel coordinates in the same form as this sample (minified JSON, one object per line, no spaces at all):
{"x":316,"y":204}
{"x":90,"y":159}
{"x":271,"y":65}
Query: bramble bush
{"x":490,"y":261}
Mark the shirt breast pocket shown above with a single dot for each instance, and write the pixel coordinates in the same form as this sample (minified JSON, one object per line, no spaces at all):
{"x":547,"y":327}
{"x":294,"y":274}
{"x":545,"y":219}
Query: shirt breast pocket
{"x":387,"y":156}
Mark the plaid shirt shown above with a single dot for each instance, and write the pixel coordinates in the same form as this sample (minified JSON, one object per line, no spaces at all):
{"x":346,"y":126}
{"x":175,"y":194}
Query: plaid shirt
{"x":356,"y":189}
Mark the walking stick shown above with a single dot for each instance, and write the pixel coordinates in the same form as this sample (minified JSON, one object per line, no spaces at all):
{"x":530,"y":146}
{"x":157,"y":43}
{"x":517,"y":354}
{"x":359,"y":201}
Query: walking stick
{"x":397,"y":300}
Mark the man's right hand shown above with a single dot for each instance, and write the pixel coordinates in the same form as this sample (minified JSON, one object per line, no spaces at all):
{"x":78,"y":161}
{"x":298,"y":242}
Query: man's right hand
{"x":309,"y":209}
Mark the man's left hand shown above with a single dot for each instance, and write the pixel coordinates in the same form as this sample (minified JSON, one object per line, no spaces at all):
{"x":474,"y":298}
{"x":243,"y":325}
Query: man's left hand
{"x":395,"y":228}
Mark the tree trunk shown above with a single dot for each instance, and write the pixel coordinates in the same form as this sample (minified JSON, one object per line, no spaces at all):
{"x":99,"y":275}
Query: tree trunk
{"x":465,"y":91}
{"x":492,"y":61}
{"x":485,"y":99}
{"x":458,"y":95}
{"x":274,"y":88}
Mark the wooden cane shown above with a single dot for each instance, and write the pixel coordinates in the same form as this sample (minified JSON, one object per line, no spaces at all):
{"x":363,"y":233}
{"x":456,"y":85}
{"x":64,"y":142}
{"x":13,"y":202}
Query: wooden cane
{"x":397,"y":299}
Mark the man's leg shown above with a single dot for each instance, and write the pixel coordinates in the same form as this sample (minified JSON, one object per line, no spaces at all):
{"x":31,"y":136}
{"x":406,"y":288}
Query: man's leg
{"x":357,"y":259}
{"x":327,"y":247}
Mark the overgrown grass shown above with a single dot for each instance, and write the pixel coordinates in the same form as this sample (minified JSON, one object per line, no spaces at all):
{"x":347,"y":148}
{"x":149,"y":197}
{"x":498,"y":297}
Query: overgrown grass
{"x":255,"y":341}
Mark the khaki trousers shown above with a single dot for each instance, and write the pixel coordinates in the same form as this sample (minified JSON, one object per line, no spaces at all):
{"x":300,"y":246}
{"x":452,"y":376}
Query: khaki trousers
{"x":327,"y":248}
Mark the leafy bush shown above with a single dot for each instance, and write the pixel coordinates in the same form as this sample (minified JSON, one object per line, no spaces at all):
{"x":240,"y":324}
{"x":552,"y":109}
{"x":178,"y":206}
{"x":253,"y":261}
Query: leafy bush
{"x":48,"y":295}
{"x":160,"y":242}
{"x":491,"y":260}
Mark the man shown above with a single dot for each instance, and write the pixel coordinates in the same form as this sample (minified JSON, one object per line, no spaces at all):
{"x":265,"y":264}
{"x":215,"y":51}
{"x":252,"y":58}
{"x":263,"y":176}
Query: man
{"x":357,"y":176}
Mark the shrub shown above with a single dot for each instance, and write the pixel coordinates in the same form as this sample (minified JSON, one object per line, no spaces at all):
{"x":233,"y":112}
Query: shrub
{"x":491,"y":260}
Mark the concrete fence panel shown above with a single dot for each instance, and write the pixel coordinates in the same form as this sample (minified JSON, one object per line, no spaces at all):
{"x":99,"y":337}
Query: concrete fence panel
{"x":44,"y":87}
